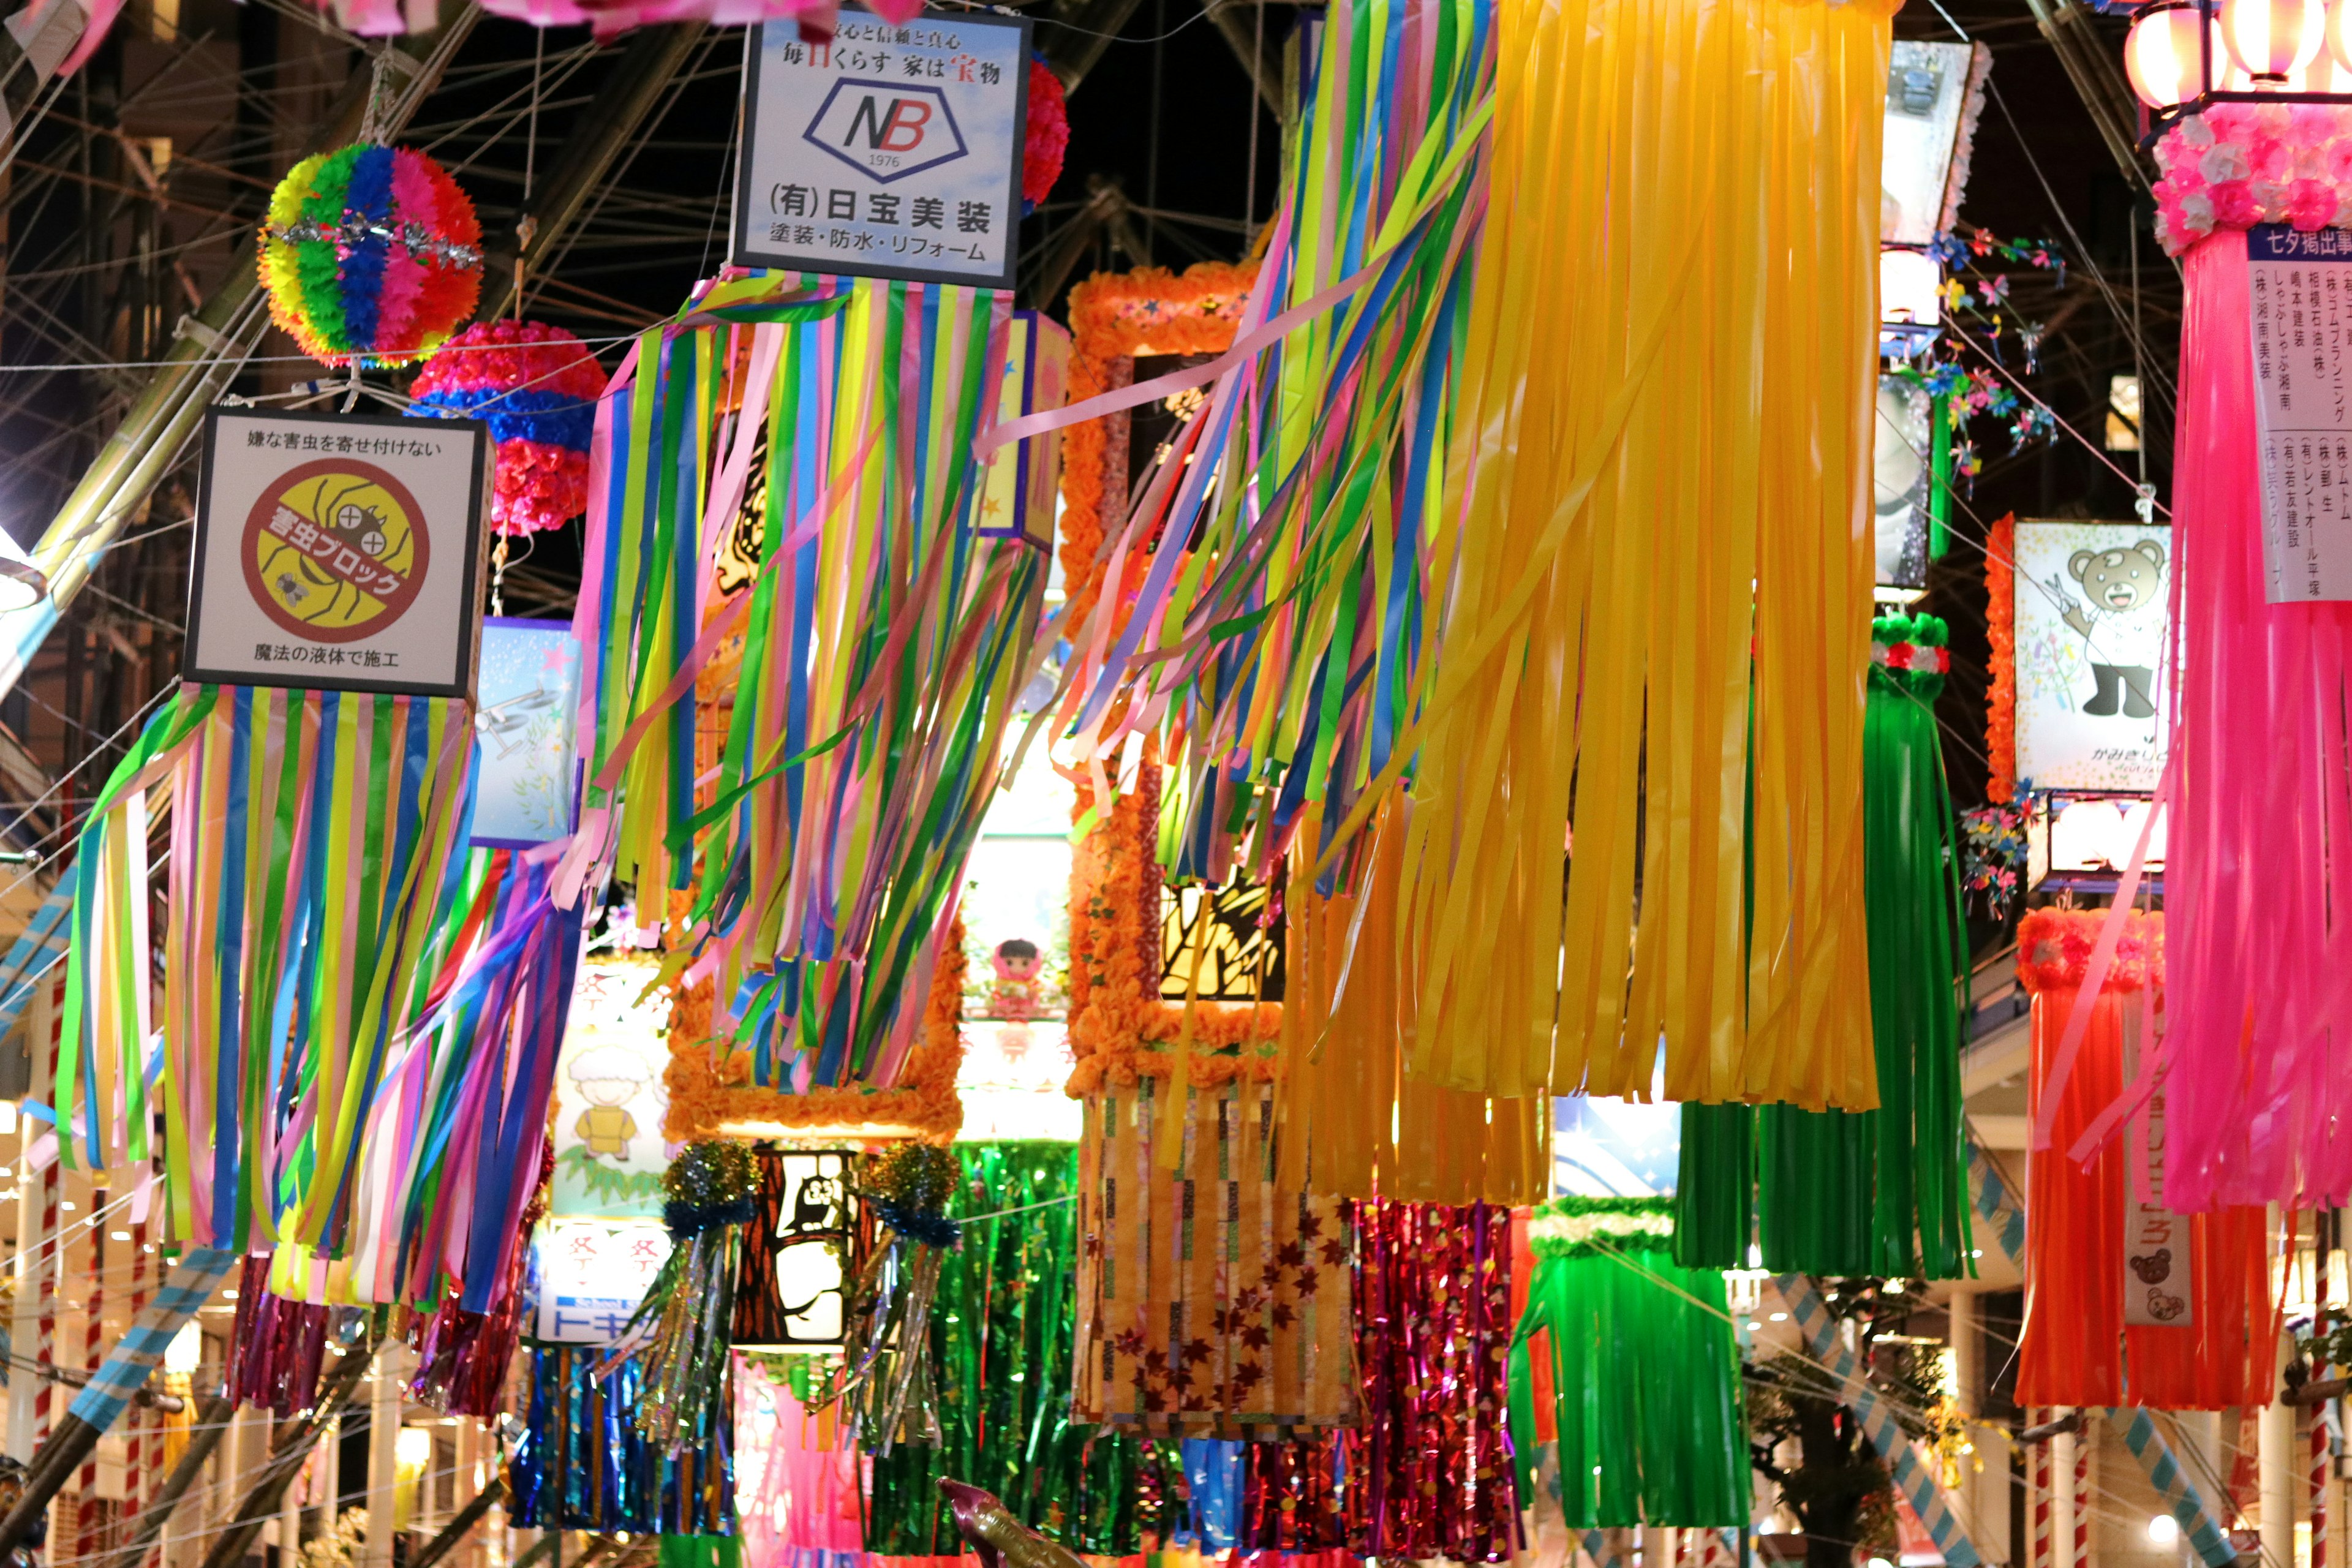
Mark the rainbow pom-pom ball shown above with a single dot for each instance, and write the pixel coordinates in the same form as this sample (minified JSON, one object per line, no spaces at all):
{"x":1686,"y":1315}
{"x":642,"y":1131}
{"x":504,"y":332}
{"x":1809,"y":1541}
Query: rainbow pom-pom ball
{"x":371,"y":255}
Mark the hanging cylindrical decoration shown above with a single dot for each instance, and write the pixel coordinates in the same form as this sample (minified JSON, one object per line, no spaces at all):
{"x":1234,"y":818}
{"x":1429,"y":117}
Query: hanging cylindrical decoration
{"x":1048,"y":137}
{"x":1877,"y":1191}
{"x":538,"y":386}
{"x":2273,"y":39}
{"x":2128,"y":1300}
{"x":680,"y":1330}
{"x":2258,"y":817}
{"x":371,"y":255}
{"x":1652,"y":1426}
{"x":2162,"y":58}
{"x":1271,"y":1280}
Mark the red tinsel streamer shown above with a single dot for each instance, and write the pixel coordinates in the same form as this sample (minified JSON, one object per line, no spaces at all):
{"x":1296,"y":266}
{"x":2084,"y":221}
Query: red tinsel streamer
{"x":1428,"y":1472}
{"x":276,"y":1346}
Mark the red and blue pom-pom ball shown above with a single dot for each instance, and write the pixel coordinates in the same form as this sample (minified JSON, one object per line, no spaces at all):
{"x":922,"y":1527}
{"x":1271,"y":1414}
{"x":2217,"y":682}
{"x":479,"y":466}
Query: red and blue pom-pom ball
{"x":537,"y":385}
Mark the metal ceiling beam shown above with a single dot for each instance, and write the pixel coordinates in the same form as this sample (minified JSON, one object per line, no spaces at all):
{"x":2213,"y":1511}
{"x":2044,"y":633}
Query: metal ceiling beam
{"x":2098,"y":80}
{"x":207,"y":352}
{"x":608,"y":125}
{"x":1242,"y":23}
{"x":1086,"y":28}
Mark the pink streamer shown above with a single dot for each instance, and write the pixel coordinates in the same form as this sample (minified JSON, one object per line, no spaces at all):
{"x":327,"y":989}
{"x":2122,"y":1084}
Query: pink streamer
{"x":2261,"y":835}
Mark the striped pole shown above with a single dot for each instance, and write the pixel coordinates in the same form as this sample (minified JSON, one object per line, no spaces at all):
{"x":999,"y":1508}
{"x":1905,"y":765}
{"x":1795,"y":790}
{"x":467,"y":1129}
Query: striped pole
{"x":134,"y":1443}
{"x":88,"y":1522}
{"x":1917,"y":1481}
{"x":2038,"y":1546}
{"x":1602,"y":1550}
{"x":2196,"y":1520}
{"x":2179,"y":1494}
{"x":2085,"y":1441}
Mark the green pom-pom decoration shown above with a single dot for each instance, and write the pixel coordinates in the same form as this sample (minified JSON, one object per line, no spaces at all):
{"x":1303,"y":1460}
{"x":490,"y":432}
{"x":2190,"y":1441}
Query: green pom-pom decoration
{"x":710,"y":1184}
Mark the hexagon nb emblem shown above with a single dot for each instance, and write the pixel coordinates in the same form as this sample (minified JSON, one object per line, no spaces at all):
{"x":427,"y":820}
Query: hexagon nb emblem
{"x":886,"y":130}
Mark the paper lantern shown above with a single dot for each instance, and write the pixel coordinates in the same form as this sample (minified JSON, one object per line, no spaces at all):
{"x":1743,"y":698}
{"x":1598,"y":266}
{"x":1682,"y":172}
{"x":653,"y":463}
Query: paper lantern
{"x":371,"y":255}
{"x":2272,"y":38}
{"x":2161,"y":56}
{"x":538,"y":386}
{"x":1048,"y":135}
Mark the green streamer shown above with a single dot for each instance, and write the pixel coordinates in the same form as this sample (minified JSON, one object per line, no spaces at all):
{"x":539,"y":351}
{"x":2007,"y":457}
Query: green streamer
{"x":1880,"y":1192}
{"x":1646,"y":1375}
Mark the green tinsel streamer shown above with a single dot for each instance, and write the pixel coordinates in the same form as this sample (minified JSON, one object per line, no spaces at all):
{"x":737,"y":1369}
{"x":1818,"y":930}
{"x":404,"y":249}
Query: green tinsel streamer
{"x":1645,"y":1378}
{"x":1879,"y":1192}
{"x":1001,"y":1334}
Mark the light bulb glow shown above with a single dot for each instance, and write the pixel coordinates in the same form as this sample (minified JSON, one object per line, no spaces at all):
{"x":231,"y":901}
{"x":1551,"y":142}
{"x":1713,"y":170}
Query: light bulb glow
{"x":2271,"y":39}
{"x":2164,"y":1530}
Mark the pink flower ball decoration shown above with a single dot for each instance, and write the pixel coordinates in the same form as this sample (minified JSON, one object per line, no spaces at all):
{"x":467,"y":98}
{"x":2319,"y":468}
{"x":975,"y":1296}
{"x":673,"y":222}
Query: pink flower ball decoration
{"x":537,"y":385}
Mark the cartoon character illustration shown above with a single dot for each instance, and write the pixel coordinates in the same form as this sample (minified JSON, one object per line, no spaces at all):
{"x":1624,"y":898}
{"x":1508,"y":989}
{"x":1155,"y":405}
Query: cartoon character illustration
{"x":2125,"y":609}
{"x":608,"y":1077}
{"x":2155,"y":1268}
{"x":2163,"y":1306}
{"x":816,"y":1204}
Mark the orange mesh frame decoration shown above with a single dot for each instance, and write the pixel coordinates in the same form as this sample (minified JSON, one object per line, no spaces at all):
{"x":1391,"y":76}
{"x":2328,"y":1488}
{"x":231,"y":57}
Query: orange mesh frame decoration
{"x":2076,"y":1349}
{"x":1441,"y":1145}
{"x":1119,"y":1028}
{"x":711,"y":1094}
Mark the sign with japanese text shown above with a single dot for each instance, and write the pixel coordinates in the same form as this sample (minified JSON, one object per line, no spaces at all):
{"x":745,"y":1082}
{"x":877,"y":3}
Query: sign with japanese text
{"x":2158,"y":1264}
{"x":338,"y":551}
{"x":2299,"y":296}
{"x":592,"y":1275}
{"x":890,"y":151}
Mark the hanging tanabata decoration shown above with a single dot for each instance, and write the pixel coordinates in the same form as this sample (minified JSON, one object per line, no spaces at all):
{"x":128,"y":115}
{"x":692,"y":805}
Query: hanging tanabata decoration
{"x":582,"y":1463}
{"x":2260,"y":812}
{"x":1247,"y":1333}
{"x":371,"y":255}
{"x":884,"y":644}
{"x":2128,"y":1300}
{"x":1048,"y":135}
{"x":1874,"y":1192}
{"x":538,"y":386}
{"x":1645,"y":1369}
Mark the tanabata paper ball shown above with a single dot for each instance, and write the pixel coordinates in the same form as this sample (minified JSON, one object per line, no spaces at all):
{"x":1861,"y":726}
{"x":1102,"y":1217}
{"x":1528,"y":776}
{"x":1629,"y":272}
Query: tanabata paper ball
{"x":538,"y":386}
{"x":372,"y":255}
{"x":1048,"y":135}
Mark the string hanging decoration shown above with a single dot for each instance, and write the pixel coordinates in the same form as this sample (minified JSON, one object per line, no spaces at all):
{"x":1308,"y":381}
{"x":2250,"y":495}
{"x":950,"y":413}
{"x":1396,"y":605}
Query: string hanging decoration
{"x":538,"y":386}
{"x":371,"y":255}
{"x":889,"y":1379}
{"x":680,"y":1331}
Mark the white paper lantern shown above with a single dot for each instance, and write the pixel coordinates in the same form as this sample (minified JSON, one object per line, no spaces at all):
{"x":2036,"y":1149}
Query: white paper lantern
{"x":2273,"y":38}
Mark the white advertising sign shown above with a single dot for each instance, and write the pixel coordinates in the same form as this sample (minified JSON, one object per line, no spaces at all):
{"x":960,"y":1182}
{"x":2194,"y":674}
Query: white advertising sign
{"x":2299,"y":291}
{"x":592,"y":1275}
{"x":892,"y":151}
{"x":2089,"y":627}
{"x":338,"y":551}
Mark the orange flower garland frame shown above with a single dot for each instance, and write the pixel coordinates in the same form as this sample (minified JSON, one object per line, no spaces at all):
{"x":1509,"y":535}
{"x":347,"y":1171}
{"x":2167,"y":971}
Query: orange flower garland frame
{"x":2001,"y":628}
{"x":1120,"y":1029}
{"x":711,"y":1094}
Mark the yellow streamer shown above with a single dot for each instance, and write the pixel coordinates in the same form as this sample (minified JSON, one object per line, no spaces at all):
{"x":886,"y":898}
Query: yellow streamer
{"x":1661,"y":484}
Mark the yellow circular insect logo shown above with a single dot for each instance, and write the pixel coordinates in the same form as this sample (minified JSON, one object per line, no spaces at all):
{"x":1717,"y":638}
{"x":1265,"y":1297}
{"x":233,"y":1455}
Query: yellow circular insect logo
{"x":336,"y":550}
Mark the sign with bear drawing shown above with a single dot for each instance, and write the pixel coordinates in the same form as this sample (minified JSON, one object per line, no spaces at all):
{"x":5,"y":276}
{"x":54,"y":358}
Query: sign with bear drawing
{"x":2089,"y":626}
{"x":2158,"y":1260}
{"x":338,"y":551}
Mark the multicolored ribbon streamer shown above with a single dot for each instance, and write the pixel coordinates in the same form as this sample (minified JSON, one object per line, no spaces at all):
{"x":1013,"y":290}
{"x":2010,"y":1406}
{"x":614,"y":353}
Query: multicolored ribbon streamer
{"x":883,"y":646}
{"x":313,"y":835}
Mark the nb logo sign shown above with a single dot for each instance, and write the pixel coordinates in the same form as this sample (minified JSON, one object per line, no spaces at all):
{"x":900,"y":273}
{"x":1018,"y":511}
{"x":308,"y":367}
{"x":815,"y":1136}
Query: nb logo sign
{"x":886,"y":130}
